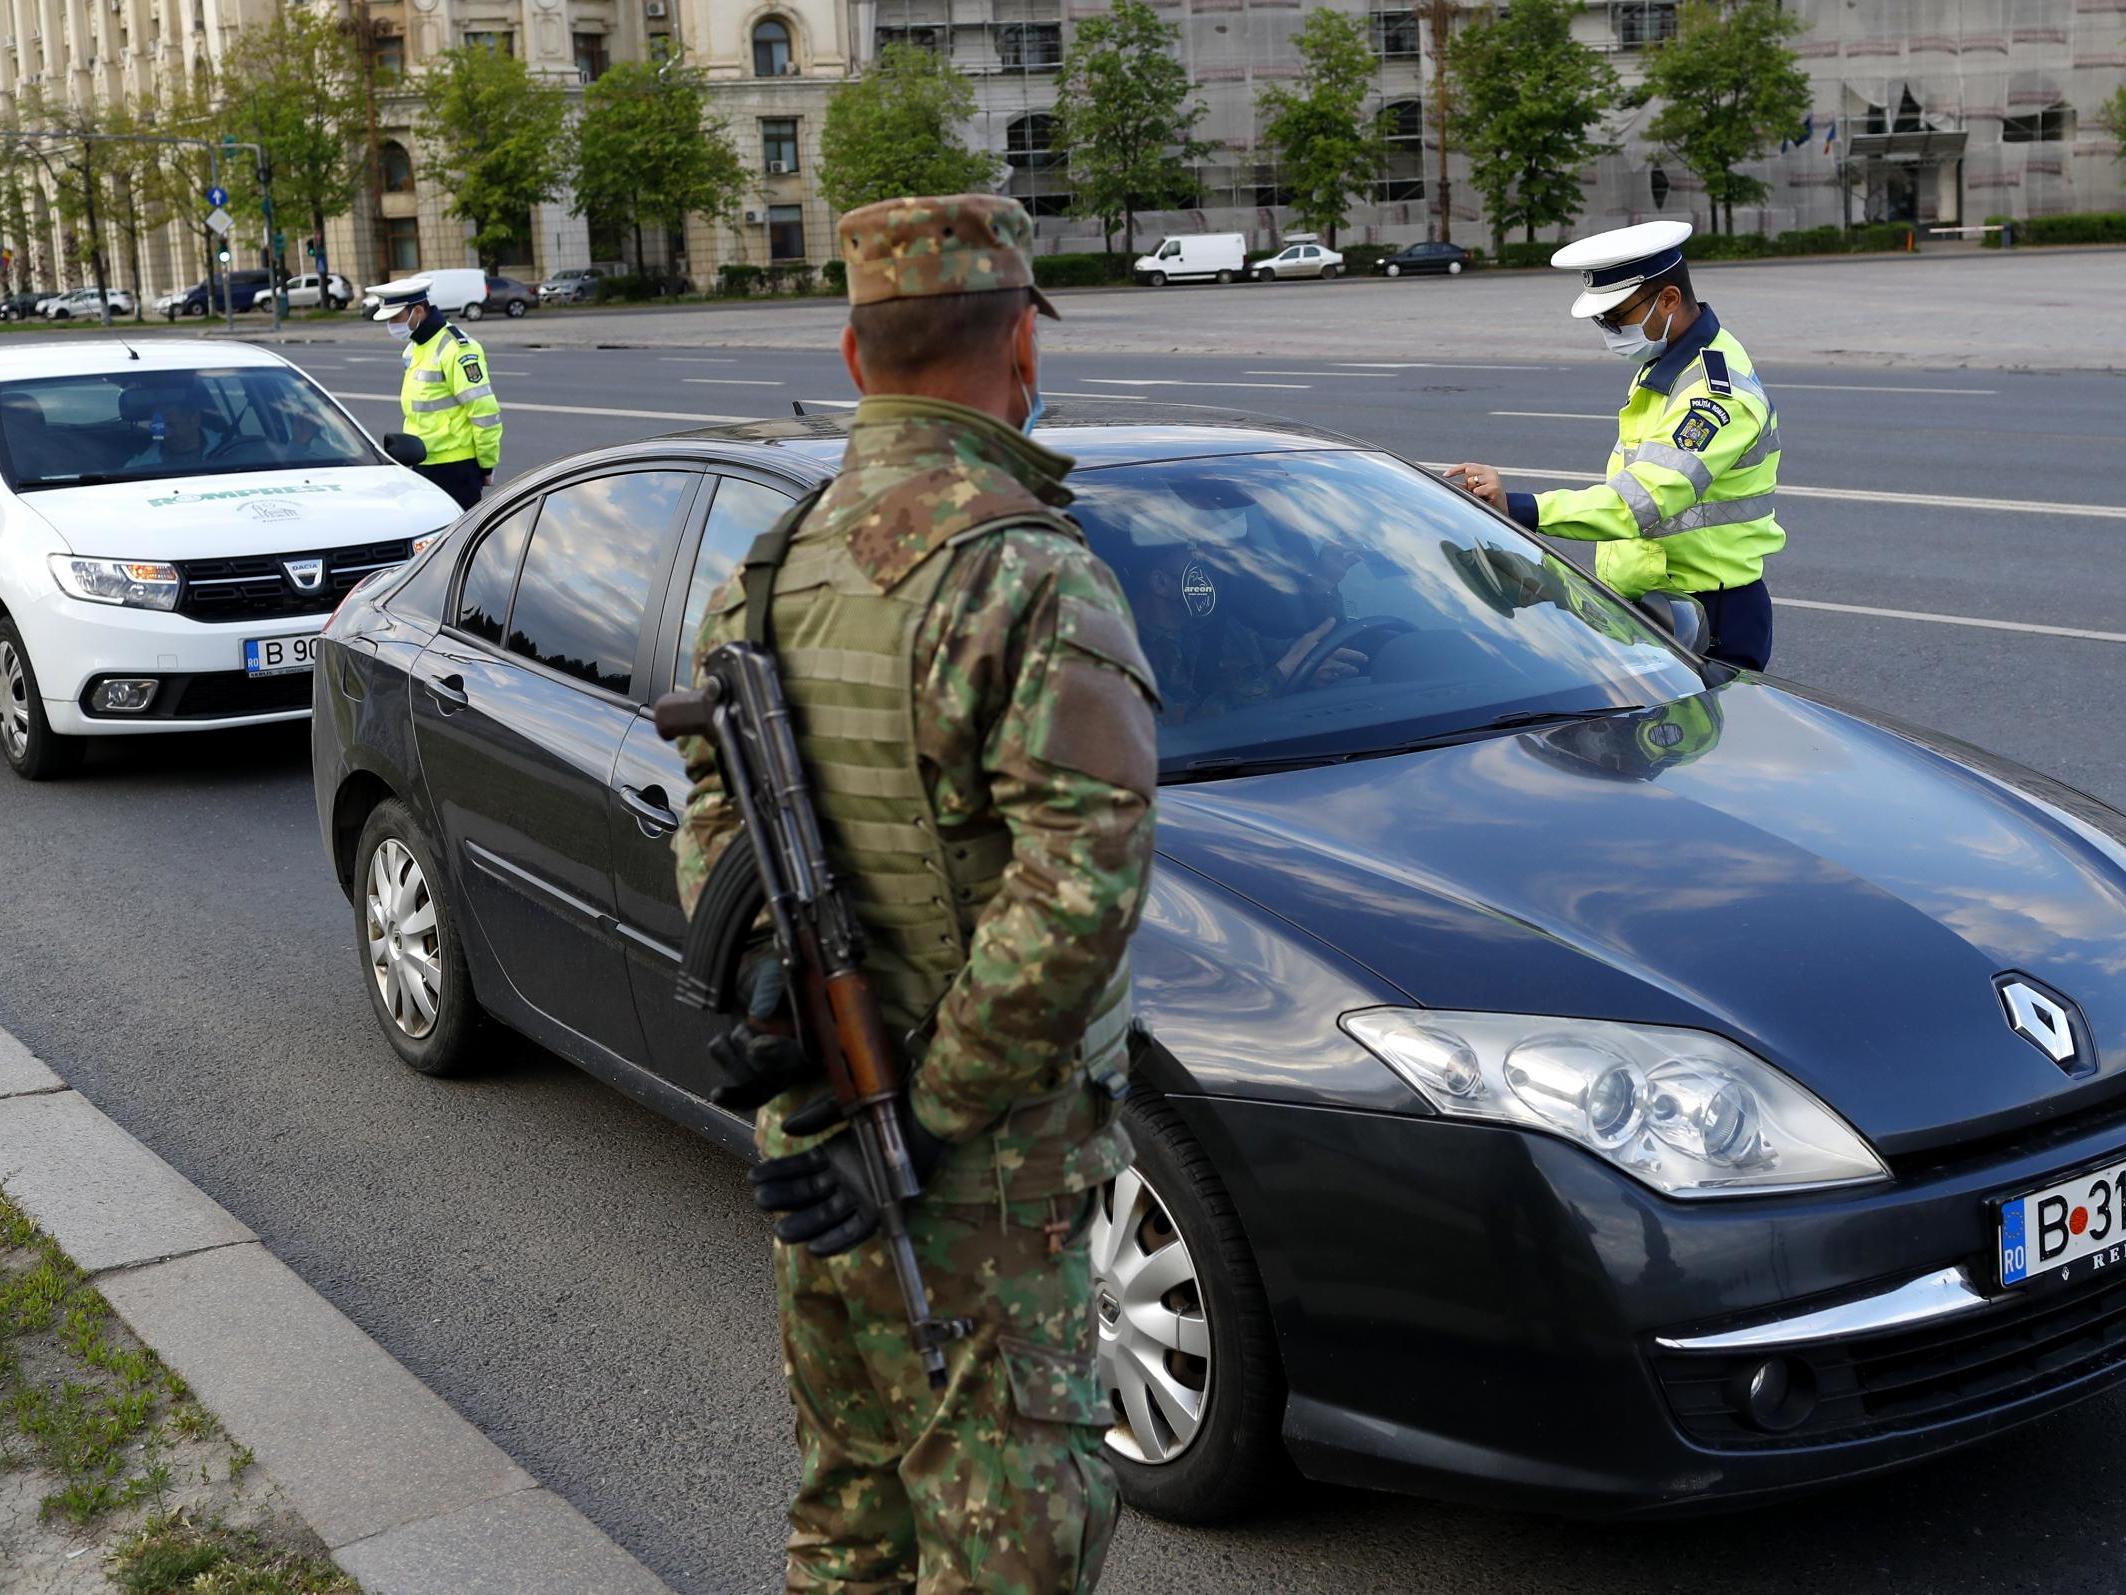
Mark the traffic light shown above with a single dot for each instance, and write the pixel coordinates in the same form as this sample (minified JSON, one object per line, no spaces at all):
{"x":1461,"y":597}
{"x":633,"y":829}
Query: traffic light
{"x":222,"y":256}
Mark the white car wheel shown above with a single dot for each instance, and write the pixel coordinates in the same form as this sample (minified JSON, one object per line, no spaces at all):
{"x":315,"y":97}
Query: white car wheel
{"x":473,"y":311}
{"x":1454,"y":268}
{"x":1395,"y":271}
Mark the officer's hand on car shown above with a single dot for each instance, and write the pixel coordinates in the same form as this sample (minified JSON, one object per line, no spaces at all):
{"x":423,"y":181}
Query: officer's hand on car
{"x":823,"y":1192}
{"x":756,"y":1065}
{"x":1481,"y":481}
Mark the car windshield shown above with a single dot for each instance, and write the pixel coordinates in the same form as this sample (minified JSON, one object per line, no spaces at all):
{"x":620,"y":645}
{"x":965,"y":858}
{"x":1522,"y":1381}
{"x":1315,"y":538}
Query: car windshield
{"x":128,"y":426}
{"x":1317,"y":605}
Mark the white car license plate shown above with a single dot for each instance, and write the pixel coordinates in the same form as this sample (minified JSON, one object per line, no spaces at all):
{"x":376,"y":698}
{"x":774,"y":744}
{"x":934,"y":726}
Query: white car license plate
{"x":2046,"y":1231}
{"x":277,"y":656}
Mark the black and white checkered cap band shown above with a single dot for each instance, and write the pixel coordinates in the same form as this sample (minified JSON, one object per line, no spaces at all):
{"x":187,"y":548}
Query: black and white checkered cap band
{"x":1632,"y":271}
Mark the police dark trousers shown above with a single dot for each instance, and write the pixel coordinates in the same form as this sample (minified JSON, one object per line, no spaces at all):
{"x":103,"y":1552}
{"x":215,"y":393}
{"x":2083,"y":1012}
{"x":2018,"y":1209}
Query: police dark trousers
{"x":461,"y":479}
{"x":1739,"y":621}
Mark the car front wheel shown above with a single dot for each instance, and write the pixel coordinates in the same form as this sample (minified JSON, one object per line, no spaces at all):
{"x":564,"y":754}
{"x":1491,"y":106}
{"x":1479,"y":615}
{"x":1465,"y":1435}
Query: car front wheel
{"x":473,"y":311}
{"x":1157,"y":279}
{"x":1454,"y":268}
{"x":1395,"y":271}
{"x":1187,"y":1353}
{"x":406,"y":934}
{"x":33,"y":750}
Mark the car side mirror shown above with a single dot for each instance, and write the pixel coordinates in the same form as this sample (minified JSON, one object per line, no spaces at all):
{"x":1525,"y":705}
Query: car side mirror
{"x":1678,"y":614}
{"x":405,"y":448}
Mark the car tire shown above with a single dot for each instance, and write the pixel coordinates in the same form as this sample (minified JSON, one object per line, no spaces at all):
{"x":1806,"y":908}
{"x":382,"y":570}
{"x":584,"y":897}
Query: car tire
{"x":62,"y":315}
{"x":473,"y":311}
{"x":1224,"y":277}
{"x":517,"y":307}
{"x":1157,"y":279}
{"x":1235,"y":1455}
{"x":1394,"y":271}
{"x":33,"y":750}
{"x":1328,"y":274}
{"x":400,"y":905}
{"x":1454,"y":268}
{"x":1265,"y":275}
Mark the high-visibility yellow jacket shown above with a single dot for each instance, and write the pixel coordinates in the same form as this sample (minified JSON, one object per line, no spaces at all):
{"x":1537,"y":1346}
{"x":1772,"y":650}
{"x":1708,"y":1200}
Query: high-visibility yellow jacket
{"x":449,"y":402}
{"x":1687,"y":507}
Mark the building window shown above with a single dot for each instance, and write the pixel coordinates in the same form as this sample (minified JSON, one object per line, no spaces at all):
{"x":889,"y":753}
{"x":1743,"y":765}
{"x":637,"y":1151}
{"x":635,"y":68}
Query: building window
{"x":1639,"y":23}
{"x":1029,"y":143}
{"x":591,"y":58}
{"x":2053,"y":125}
{"x":931,"y":39}
{"x":778,"y":144}
{"x":499,"y":43}
{"x":771,"y":48}
{"x":1395,"y":32}
{"x":1402,"y":177}
{"x":398,"y":168}
{"x":786,"y":232}
{"x":387,"y":57}
{"x":402,"y":243}
{"x":1030,"y":46}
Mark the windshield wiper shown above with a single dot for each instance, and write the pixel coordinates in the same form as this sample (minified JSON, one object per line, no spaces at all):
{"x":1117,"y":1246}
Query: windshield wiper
{"x":1226,"y":764}
{"x":1221,"y":765}
{"x":1523,"y":718}
{"x":86,"y":479}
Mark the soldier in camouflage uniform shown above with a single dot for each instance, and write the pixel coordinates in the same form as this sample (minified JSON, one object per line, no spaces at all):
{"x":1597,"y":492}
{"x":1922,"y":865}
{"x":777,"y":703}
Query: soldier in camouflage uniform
{"x":977,"y":719}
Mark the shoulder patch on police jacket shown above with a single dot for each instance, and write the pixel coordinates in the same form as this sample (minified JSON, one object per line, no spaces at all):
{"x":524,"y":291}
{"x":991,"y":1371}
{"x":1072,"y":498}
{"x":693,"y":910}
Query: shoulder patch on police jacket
{"x":1707,"y":407}
{"x":470,"y":365}
{"x":1695,"y":431}
{"x":1716,"y":376}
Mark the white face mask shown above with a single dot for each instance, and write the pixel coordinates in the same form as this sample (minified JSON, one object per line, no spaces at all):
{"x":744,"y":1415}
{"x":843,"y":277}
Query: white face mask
{"x":400,"y":330}
{"x":1635,"y":343}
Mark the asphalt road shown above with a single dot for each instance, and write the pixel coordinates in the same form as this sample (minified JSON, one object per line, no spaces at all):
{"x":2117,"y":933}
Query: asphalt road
{"x":590,"y":1285}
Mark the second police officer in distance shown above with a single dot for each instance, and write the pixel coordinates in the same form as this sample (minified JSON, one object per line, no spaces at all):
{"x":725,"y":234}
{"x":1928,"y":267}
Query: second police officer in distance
{"x":447,"y":394}
{"x":1688,"y":503}
{"x":975,"y":716}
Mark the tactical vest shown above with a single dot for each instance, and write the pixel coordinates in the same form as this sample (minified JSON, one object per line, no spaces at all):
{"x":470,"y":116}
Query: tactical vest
{"x":846,"y":652}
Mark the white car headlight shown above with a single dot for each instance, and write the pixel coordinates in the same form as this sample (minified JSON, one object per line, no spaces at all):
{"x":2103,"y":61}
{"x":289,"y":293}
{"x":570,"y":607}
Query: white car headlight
{"x":135,"y":583}
{"x":1687,"y":1113}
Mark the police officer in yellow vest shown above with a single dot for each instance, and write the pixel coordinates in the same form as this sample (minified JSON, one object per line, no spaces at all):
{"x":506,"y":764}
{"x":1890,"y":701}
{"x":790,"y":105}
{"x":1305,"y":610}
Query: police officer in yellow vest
{"x":446,"y":393}
{"x":1688,"y":503}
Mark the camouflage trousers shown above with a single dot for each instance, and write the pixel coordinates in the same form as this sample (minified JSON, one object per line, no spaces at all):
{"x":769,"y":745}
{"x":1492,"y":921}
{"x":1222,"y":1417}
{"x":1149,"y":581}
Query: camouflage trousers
{"x":996,"y":1483}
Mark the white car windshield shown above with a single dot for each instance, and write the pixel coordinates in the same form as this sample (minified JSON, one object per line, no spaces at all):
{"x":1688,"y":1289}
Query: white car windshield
{"x":128,"y":426}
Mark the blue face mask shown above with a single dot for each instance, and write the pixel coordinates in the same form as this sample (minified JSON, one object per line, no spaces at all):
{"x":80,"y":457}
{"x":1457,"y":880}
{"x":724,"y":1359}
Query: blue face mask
{"x":1036,"y":407}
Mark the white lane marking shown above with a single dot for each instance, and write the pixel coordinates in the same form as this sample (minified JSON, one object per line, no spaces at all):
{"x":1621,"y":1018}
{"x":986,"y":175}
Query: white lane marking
{"x":831,"y":404}
{"x":1954,"y":620}
{"x":371,"y":359}
{"x":1177,"y":382}
{"x":735,"y":382}
{"x":1862,"y":387}
{"x":1104,"y":398}
{"x":1383,"y":376}
{"x":1432,"y":365}
{"x":497,"y":371}
{"x":568,"y":409}
{"x":698,"y":359}
{"x":1558,"y":415}
{"x":1862,"y":495}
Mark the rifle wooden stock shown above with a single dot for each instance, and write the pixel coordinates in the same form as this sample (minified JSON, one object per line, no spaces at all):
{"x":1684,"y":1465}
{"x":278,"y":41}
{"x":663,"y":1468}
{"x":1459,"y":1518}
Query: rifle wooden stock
{"x":860,"y":1028}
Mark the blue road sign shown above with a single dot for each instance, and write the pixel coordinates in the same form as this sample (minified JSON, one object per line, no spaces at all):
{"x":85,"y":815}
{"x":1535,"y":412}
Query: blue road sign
{"x":217,"y":195}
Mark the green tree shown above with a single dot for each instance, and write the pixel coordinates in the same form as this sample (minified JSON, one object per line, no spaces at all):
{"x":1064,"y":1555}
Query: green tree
{"x":497,"y":138}
{"x":1328,"y":150}
{"x":648,"y":148}
{"x":1531,"y":99}
{"x":294,"y":85}
{"x":1124,"y":120}
{"x":128,"y":167}
{"x":73,"y":164}
{"x":1730,"y":89}
{"x":896,"y":130}
{"x":2111,"y":117}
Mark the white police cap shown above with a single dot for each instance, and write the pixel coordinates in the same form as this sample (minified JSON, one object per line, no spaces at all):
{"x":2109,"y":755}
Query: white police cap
{"x":1614,"y":264}
{"x":392,"y":297}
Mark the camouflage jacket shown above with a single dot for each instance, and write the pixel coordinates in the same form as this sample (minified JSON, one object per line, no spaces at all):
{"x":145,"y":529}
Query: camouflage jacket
{"x":1002,"y":733}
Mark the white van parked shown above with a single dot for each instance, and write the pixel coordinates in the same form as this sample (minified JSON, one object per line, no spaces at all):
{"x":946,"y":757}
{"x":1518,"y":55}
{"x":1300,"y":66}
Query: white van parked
{"x":451,"y":289}
{"x":1221,"y":257}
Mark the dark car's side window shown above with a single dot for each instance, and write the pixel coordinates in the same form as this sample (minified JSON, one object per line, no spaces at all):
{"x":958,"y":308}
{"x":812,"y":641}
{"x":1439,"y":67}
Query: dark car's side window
{"x":483,"y":602}
{"x":742,"y":511}
{"x":587,"y":577}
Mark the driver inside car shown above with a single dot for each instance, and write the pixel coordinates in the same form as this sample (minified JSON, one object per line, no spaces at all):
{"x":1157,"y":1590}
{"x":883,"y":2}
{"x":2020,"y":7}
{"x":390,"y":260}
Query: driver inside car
{"x":176,"y":428}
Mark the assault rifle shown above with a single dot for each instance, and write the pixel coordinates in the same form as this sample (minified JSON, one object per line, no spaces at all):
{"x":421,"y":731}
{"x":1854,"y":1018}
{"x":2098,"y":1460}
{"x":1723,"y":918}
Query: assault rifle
{"x":779,"y":861}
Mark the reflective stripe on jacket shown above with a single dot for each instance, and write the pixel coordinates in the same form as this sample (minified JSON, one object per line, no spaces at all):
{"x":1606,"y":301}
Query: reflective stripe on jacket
{"x":449,"y":402}
{"x":1687,"y":505}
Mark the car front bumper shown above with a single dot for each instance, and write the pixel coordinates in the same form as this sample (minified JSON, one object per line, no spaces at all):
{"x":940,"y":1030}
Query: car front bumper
{"x":75,"y":646}
{"x":1485,"y":1314}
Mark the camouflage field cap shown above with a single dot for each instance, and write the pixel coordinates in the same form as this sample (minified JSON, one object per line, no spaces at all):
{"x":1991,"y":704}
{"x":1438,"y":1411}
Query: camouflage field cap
{"x":939,"y":244}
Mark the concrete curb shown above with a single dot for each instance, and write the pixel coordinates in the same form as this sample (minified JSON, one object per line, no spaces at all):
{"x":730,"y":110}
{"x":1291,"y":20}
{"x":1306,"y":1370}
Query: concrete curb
{"x":410,"y":1498}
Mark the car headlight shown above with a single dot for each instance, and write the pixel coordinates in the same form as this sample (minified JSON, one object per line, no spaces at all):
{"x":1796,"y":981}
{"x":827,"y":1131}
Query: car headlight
{"x":135,"y":583}
{"x":1687,"y":1113}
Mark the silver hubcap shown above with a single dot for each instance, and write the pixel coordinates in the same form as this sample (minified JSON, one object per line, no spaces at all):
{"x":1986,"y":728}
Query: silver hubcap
{"x":405,"y":947}
{"x":1155,"y":1342}
{"x":14,"y":702}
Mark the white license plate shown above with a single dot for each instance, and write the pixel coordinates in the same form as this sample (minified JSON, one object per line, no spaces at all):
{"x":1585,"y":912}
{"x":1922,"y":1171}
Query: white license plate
{"x":277,"y":656}
{"x":2052,"y":1229}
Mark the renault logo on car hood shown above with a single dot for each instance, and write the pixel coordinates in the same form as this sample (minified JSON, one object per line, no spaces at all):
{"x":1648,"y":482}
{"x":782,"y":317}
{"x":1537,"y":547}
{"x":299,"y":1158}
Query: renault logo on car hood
{"x":2048,"y":1021}
{"x":307,"y":574}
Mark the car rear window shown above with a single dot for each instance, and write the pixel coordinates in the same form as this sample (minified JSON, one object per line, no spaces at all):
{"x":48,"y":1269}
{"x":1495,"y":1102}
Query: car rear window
{"x":127,"y":426}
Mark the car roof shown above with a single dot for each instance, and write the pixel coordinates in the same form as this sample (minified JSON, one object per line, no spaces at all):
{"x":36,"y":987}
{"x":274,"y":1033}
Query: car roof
{"x":96,"y":356}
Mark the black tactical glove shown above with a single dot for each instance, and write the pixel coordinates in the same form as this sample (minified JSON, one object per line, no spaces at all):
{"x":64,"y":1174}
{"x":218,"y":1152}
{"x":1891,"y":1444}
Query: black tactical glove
{"x":756,"y":1066}
{"x":822,"y":1192}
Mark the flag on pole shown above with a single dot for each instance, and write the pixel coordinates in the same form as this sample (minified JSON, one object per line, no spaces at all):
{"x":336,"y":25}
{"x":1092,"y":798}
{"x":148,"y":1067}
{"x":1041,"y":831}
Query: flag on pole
{"x":1830,"y":137}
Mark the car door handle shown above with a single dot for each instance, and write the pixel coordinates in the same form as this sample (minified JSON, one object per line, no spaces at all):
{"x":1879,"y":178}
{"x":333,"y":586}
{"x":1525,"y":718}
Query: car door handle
{"x":449,"y":691}
{"x":651,"y":808}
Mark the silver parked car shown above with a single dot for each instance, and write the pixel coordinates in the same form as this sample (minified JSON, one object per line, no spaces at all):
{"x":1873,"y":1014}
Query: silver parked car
{"x":1302,"y":256}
